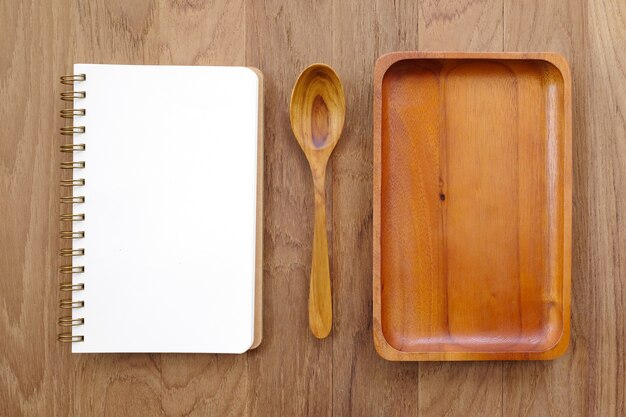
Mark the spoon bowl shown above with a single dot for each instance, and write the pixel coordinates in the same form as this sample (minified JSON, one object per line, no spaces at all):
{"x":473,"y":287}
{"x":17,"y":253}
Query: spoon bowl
{"x":317,"y":112}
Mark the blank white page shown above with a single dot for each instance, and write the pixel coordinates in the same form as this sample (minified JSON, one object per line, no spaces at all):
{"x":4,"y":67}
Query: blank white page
{"x":170,"y":208}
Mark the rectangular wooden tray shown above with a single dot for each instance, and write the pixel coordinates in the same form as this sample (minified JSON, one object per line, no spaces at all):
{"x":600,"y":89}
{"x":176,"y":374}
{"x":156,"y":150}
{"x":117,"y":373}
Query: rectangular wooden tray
{"x":472,"y":206}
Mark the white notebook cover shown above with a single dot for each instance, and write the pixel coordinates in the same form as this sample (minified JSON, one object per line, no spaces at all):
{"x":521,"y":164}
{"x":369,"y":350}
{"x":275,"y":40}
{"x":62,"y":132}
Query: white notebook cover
{"x":170,"y":208}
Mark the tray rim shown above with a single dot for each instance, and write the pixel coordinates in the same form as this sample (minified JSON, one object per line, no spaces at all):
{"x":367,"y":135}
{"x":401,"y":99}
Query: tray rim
{"x":383,"y":348}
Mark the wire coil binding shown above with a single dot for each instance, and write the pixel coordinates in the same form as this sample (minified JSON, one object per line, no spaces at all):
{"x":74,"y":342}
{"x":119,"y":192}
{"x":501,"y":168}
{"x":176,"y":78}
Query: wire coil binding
{"x":70,"y":79}
{"x":72,"y":130}
{"x":70,"y":269}
{"x":71,"y":113}
{"x":73,"y":200}
{"x":68,"y":234}
{"x":72,"y":217}
{"x":72,"y":147}
{"x":72,"y":252}
{"x":69,"y":321}
{"x":72,"y":95}
{"x":68,"y":304}
{"x":67,"y":337}
{"x":73,"y":183}
{"x":67,"y":286}
{"x":73,"y":165}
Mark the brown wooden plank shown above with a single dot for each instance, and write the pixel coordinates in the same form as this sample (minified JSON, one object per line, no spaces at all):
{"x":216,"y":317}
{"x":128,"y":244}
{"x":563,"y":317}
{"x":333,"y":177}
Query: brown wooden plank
{"x":34,"y":52}
{"x":290,"y":372}
{"x":603,"y":178}
{"x":202,"y":33}
{"x":460,"y":389}
{"x":535,"y":388}
{"x":469,"y":26}
{"x":160,"y":33}
{"x":363,"y":383}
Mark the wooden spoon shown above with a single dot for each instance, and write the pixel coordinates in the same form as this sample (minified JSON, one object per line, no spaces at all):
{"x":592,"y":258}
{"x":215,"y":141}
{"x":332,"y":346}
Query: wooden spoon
{"x":317,"y":111}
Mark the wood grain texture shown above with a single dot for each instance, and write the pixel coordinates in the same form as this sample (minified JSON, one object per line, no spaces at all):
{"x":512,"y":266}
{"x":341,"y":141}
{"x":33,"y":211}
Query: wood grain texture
{"x":292,"y":373}
{"x":363,"y":383}
{"x":602,"y":157}
{"x":288,"y":378}
{"x":482,"y":269}
{"x":461,"y":26}
{"x":35,"y":372}
{"x":532,"y":388}
{"x":468,"y":25}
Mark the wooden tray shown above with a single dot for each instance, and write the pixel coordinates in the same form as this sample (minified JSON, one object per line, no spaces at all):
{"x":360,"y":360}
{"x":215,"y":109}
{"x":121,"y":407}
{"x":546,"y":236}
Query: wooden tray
{"x":472,"y":206}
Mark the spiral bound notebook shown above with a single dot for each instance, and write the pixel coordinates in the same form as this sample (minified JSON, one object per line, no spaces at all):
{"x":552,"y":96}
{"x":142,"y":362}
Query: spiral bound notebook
{"x":163,"y":209}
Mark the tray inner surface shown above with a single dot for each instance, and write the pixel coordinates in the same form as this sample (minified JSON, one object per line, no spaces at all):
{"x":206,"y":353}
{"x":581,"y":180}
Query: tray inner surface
{"x":471,"y":205}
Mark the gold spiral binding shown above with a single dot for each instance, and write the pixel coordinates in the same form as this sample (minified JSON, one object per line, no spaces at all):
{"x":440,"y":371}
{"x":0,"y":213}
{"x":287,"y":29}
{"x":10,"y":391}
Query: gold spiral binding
{"x":72,"y":130}
{"x":68,"y":286}
{"x":73,"y":183}
{"x":68,"y":234}
{"x":71,"y":252}
{"x":73,"y":200}
{"x":72,"y":78}
{"x":72,"y":147}
{"x":72,"y":217}
{"x":68,"y":321}
{"x":73,"y":165}
{"x":68,"y":337}
{"x":72,"y":95}
{"x":68,"y":304}
{"x":71,"y":269}
{"x":71,"y":113}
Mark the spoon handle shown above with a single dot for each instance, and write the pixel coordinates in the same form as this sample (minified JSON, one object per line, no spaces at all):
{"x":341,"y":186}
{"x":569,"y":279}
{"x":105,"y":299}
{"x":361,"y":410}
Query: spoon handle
{"x":320,"y":302}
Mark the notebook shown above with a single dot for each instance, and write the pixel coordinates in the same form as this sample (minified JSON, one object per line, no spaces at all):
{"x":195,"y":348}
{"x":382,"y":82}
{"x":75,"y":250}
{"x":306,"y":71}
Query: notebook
{"x":162,"y":208}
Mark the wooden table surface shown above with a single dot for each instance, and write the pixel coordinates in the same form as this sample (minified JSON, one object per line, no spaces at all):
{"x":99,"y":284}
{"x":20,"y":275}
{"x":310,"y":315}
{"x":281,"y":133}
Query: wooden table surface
{"x":292,"y":374}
